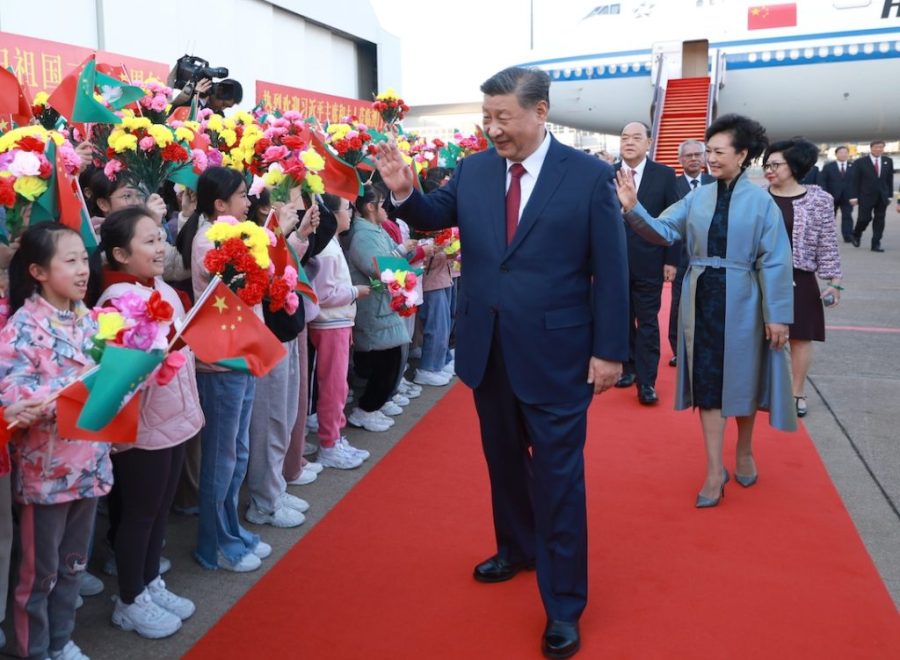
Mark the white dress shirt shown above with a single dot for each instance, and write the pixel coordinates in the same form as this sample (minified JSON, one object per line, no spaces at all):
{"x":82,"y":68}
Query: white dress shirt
{"x":638,"y":172}
{"x":532,"y":165}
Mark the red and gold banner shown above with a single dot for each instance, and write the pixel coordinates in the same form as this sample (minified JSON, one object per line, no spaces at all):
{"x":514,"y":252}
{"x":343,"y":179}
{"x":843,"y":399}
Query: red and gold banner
{"x":40,"y":65}
{"x":324,"y":107}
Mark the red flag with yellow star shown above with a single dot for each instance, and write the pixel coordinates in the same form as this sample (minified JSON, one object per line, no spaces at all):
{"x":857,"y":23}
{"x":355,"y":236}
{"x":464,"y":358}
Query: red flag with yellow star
{"x":223,"y":330}
{"x":764,"y":17}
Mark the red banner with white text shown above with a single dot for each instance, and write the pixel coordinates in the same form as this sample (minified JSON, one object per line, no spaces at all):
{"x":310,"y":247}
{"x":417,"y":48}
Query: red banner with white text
{"x":324,"y":107}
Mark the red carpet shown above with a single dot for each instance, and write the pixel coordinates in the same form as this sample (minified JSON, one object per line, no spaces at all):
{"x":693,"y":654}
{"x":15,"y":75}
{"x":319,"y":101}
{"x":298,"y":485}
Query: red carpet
{"x":776,"y":571}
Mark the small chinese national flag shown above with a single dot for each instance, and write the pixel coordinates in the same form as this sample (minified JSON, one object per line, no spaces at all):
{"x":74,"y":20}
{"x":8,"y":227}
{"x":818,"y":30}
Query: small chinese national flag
{"x":764,"y":17}
{"x":224,"y":331}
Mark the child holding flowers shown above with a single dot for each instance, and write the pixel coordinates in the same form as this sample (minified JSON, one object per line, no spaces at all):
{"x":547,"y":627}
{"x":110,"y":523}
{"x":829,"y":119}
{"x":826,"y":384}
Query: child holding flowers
{"x":56,"y":481}
{"x":146,"y":473}
{"x":226,"y":397}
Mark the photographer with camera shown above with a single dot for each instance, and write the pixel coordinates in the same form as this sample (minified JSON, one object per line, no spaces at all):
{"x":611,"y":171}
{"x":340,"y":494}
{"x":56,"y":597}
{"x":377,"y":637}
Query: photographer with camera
{"x":193,"y":75}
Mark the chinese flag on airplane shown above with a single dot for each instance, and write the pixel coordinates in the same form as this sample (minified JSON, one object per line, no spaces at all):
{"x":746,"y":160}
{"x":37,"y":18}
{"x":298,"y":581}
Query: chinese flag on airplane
{"x":223,"y":330}
{"x":764,"y":17}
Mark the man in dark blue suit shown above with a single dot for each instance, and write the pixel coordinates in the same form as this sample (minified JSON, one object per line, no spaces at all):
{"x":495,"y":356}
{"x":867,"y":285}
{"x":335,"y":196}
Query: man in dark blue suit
{"x":648,"y":264}
{"x":541,"y":327}
{"x":871,"y":185}
{"x":835,"y":178}
{"x":692,"y":156}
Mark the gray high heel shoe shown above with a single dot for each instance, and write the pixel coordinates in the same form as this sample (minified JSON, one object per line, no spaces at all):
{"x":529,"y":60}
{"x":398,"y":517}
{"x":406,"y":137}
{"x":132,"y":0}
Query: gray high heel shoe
{"x":708,"y":502}
{"x":746,"y":482}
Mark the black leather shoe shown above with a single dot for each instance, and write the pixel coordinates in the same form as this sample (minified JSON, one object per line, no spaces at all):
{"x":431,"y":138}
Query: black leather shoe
{"x":877,"y":248}
{"x":561,"y":639}
{"x":647,"y":395}
{"x":497,"y":569}
{"x":848,"y":239}
{"x":674,"y":361}
{"x":627,"y":380}
{"x":855,"y":241}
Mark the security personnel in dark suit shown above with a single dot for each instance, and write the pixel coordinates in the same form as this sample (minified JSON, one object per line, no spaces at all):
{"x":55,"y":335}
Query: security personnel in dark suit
{"x":656,"y":190}
{"x":692,"y":156}
{"x":835,"y":179}
{"x":870,"y":186}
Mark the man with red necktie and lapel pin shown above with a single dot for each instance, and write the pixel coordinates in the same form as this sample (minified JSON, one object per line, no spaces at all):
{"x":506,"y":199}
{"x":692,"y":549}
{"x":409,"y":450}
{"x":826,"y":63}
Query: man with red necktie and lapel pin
{"x":835,"y":179}
{"x":871,"y":183}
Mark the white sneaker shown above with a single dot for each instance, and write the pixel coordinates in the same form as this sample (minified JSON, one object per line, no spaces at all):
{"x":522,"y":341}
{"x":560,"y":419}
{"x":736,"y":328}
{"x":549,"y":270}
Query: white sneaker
{"x":339,"y":458}
{"x":293,"y":502}
{"x":180,"y":607}
{"x":312,"y":466}
{"x":247,"y":563}
{"x":312,"y":422}
{"x":433,"y":378}
{"x":111,"y":569}
{"x":359,"y":453}
{"x":283,"y":517}
{"x":144,"y":617}
{"x":410,"y":389}
{"x":384,"y":418}
{"x":400,"y":400}
{"x":91,"y":585}
{"x":69,"y":652}
{"x":450,"y":367}
{"x":306,"y":477}
{"x":391,"y":408}
{"x":370,"y":421}
{"x":262,"y":550}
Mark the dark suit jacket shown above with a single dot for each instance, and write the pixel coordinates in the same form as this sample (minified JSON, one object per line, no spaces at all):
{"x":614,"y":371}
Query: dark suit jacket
{"x":682,"y":187}
{"x":812,"y":177}
{"x":866,"y":186}
{"x":657,"y":192}
{"x":834,"y":184}
{"x":558,"y":294}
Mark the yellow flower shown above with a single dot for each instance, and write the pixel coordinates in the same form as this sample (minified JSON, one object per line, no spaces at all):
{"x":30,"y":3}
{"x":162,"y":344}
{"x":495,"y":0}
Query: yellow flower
{"x":109,"y":324}
{"x":123,"y":142}
{"x":315,"y":184}
{"x":244,"y":117}
{"x":220,"y":232}
{"x":387,"y":95}
{"x":400,"y":276}
{"x":134,"y":123}
{"x":41,"y":98}
{"x":338,"y":131}
{"x":193,"y":125}
{"x":162,"y":135}
{"x":183,"y":133}
{"x":229,"y":137}
{"x":229,"y":123}
{"x":8,"y":140}
{"x":214,"y":123}
{"x":312,"y":160}
{"x":30,"y":187}
{"x":57,"y":137}
{"x":273,"y":177}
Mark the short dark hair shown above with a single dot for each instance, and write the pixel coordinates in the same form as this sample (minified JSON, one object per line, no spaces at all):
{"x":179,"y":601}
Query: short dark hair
{"x":745,"y":133}
{"x":874,"y":142}
{"x":117,"y":231}
{"x":841,"y":146}
{"x":215,"y":183}
{"x":530,"y":86}
{"x":800,"y":155}
{"x":228,"y":90}
{"x":646,"y":127}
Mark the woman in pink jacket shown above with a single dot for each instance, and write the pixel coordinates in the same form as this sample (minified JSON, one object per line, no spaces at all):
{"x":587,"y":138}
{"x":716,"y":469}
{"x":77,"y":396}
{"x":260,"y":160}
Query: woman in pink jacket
{"x":146,"y":475}
{"x":56,"y":481}
{"x":809,"y":219}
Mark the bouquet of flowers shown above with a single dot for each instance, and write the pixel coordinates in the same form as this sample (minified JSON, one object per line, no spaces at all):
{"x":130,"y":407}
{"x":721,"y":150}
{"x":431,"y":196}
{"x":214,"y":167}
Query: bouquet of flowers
{"x":25,"y":171}
{"x":227,"y":142}
{"x":283,"y":160}
{"x":46,"y":116}
{"x":241,"y":259}
{"x":131,"y":321}
{"x":350,"y":139}
{"x":470,"y":144}
{"x":155,"y":104}
{"x":146,"y":153}
{"x":391,"y":107}
{"x":447,"y":240}
{"x":400,"y":285}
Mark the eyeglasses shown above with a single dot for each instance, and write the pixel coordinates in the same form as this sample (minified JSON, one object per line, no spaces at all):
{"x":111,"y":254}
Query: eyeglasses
{"x":129,"y":197}
{"x":772,"y":165}
{"x":696,"y":156}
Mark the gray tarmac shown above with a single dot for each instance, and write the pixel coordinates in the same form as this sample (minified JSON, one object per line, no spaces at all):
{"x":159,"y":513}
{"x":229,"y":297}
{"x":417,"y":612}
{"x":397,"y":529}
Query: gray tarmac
{"x":854,"y":420}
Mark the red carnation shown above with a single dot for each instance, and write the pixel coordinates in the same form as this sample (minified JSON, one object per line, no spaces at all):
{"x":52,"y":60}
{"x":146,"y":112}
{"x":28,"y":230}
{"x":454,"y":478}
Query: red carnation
{"x":30,"y":143}
{"x":261,"y":145}
{"x":158,"y":309}
{"x":7,"y":192}
{"x":45,"y":169}
{"x":293,"y":142}
{"x":174,"y":152}
{"x":215,"y":261}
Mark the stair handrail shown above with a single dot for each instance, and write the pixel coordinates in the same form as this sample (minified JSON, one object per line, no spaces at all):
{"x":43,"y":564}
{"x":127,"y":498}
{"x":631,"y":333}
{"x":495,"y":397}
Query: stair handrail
{"x":656,"y":105}
{"x":715,"y":79}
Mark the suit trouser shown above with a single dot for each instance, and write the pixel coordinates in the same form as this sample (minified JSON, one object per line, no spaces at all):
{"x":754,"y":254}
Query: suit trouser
{"x":846,"y":216}
{"x":271,"y":424}
{"x":673,"y":309}
{"x":867,"y":210}
{"x":537,"y":496}
{"x":53,"y":548}
{"x":643,"y":331}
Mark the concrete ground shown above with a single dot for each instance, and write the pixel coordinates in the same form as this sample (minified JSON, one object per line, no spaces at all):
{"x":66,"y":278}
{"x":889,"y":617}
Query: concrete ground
{"x":854,"y":420}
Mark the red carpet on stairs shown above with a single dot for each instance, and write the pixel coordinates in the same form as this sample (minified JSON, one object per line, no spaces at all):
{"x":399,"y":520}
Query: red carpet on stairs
{"x":776,"y":571}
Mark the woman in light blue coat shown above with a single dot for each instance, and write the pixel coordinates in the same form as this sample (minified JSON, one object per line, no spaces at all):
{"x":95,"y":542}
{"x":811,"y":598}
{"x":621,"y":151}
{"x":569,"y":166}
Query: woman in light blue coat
{"x":737,"y":299}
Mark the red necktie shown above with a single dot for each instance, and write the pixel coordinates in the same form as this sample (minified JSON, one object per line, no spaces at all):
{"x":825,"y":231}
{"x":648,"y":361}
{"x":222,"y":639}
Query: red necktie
{"x":878,"y":167}
{"x":513,"y":200}
{"x":842,"y":170}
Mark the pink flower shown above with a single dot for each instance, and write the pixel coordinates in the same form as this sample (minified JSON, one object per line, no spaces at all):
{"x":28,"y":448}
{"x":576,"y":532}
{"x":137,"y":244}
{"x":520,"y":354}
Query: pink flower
{"x":25,"y":163}
{"x":147,"y":143}
{"x":111,"y":168}
{"x":273,"y":154}
{"x":292,"y":115}
{"x":159,"y":103}
{"x":201,"y":162}
{"x":169,"y":368}
{"x":132,"y":305}
{"x":290,"y":277}
{"x":291,"y":303}
{"x":257,"y":186}
{"x":227,"y":219}
{"x":410,"y":280}
{"x":71,"y":160}
{"x":142,"y":336}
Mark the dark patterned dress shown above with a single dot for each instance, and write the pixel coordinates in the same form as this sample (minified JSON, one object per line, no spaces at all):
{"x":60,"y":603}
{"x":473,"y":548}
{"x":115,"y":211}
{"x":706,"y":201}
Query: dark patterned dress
{"x":809,"y":314}
{"x":709,"y":314}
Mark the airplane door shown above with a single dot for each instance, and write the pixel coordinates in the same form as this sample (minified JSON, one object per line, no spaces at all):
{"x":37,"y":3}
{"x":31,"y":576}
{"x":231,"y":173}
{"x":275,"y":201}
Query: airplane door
{"x":666,"y":55}
{"x":695,"y":59}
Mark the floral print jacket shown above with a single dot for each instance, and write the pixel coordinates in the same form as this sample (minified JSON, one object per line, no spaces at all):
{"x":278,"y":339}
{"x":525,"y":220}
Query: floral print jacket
{"x":43,"y":349}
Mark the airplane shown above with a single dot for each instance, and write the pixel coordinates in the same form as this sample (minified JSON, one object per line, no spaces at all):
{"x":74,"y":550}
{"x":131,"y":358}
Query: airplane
{"x":826,"y":69}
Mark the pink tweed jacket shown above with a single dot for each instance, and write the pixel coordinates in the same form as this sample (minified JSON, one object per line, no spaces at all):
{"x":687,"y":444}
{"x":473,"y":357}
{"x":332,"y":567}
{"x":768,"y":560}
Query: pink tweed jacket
{"x":814,"y":236}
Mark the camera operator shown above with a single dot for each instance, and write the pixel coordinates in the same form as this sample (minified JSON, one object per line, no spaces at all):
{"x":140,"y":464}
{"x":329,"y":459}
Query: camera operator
{"x":218,"y":96}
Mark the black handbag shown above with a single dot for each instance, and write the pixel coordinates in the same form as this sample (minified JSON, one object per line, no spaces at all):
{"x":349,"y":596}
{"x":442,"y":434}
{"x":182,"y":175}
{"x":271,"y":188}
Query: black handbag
{"x":285,"y":326}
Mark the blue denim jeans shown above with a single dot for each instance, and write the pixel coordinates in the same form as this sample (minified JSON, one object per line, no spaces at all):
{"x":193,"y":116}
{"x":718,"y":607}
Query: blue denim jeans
{"x":435,"y":315}
{"x":227,"y":401}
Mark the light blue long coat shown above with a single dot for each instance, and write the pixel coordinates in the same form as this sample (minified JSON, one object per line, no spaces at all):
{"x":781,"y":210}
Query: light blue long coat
{"x":755,"y":376}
